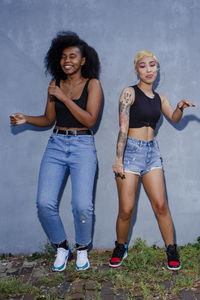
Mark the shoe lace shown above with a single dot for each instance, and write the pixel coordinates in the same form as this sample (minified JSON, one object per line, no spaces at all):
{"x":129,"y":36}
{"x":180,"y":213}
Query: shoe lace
{"x":173,"y":254}
{"x":118,"y":251}
{"x":60,"y":251}
{"x":82,"y":253}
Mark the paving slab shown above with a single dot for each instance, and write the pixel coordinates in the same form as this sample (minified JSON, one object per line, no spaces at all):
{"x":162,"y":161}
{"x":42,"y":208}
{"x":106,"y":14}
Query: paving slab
{"x":75,"y":286}
{"x":187,"y":295}
{"x":29,"y":297}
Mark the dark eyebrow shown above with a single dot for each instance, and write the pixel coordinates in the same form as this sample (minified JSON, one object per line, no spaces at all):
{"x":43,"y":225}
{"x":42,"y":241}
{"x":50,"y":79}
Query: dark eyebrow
{"x":142,"y":62}
{"x":72,"y":53}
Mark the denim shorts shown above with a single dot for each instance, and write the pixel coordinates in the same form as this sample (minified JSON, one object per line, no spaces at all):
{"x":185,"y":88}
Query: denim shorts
{"x":141,"y":157}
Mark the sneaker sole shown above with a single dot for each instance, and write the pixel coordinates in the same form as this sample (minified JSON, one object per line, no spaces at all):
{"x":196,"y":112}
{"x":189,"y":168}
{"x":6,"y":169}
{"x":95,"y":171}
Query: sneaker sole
{"x":118,"y":265}
{"x":85,"y":267}
{"x":69,"y":258}
{"x":173,"y":269}
{"x":60,"y":270}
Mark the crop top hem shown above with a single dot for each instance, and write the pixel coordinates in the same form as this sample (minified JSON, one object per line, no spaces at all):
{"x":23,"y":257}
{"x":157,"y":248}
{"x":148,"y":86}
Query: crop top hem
{"x":145,"y":111}
{"x":64,"y":118}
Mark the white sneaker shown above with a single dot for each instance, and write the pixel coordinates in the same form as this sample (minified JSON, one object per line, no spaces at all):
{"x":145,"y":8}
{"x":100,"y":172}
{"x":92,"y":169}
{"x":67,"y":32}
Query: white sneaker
{"x":62,"y":257}
{"x":82,"y":262}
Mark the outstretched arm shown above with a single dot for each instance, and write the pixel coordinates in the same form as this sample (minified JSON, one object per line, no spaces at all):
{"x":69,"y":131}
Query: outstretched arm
{"x":174,"y":115}
{"x":45,"y":120}
{"x":125,"y":101}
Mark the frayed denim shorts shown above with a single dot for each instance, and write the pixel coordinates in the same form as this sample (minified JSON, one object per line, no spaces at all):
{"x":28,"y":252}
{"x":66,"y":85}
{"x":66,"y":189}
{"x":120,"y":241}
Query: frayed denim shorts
{"x":141,"y":157}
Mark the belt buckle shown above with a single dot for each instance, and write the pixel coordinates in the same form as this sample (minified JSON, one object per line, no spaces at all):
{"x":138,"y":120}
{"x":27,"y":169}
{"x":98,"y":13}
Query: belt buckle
{"x":70,"y":132}
{"x":66,"y":132}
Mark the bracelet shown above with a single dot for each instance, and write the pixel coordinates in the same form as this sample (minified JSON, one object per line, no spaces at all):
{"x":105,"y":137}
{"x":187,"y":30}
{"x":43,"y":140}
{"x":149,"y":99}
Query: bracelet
{"x":181,"y":109}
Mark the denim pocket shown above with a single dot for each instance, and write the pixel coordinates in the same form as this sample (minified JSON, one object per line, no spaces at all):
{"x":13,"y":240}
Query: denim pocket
{"x":51,"y":139}
{"x":156,"y":146}
{"x":132,"y":147}
{"x":86,"y":139}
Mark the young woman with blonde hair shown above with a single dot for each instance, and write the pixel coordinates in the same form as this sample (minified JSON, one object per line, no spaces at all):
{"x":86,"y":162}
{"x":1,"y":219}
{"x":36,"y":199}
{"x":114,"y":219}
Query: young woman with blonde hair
{"x":138,"y":155}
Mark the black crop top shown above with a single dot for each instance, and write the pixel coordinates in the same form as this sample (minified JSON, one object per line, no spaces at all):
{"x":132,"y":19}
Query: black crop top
{"x":145,"y":111}
{"x":64,"y":117}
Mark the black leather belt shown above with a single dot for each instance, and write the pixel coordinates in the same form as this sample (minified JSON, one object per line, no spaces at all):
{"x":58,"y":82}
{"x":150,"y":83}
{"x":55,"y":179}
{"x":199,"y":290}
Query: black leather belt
{"x":73,"y":132}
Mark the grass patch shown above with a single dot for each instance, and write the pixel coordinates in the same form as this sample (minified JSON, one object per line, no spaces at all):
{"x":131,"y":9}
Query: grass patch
{"x":52,"y":281}
{"x":190,"y":257}
{"x":150,"y":265}
{"x":141,"y":257}
{"x":47,"y":253}
{"x":15,"y":286}
{"x":143,"y":273}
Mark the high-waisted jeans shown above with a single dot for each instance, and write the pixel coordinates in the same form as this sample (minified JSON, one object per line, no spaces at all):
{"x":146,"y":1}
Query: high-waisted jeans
{"x":76,"y":154}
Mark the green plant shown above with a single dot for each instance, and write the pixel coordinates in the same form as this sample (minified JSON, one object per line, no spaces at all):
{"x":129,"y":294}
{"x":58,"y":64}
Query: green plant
{"x":16,"y":286}
{"x":141,"y":274}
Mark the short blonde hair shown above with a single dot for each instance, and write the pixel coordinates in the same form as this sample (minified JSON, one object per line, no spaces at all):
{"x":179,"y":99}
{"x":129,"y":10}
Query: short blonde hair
{"x":141,"y":54}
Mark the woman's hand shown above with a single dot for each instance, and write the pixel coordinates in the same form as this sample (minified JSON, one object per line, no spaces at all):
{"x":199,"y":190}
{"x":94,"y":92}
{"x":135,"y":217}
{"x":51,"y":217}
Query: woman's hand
{"x":118,"y":169}
{"x":184,"y":104}
{"x":174,"y":115}
{"x":55,"y":91}
{"x":17,"y":119}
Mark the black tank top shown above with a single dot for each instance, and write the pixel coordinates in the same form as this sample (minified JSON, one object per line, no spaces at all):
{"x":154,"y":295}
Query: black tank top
{"x":64,"y":117}
{"x":144,"y":111}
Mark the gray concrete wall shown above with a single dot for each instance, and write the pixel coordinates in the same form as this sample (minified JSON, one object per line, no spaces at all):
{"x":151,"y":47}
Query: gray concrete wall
{"x":117,"y":29}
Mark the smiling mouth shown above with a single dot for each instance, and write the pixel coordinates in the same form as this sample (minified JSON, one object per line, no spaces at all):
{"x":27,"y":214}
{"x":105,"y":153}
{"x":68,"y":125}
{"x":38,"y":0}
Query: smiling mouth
{"x":67,"y":67}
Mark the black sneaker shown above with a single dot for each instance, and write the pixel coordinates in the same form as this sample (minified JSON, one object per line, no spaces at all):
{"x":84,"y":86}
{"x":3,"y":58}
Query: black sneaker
{"x":173,"y":258}
{"x":119,"y":253}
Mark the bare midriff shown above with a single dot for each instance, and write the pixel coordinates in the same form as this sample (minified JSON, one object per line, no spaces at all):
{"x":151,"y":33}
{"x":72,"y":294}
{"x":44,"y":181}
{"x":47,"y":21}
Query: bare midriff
{"x":142,"y":133}
{"x":70,"y":128}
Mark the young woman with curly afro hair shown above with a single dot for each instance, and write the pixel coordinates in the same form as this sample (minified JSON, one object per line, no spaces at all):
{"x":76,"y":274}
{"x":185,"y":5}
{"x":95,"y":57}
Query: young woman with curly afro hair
{"x":73,"y":104}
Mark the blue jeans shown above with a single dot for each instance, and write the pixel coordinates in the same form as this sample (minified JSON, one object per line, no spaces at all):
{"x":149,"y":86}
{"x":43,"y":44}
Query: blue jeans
{"x":140,"y":156}
{"x":77,"y":155}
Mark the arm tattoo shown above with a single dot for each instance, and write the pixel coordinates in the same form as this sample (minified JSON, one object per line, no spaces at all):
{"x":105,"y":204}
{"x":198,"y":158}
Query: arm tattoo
{"x":127,"y":96}
{"x":125,"y":103}
{"x":121,"y":142}
{"x":124,"y":109}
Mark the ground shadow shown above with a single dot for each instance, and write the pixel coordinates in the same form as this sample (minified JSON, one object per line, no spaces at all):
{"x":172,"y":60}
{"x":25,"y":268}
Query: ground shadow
{"x":184,"y":121}
{"x":21,"y":128}
{"x":158,"y":125}
{"x":157,"y":81}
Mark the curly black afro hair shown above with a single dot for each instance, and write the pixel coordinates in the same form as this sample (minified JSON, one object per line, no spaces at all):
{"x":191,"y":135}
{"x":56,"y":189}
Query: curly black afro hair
{"x":66,"y":39}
